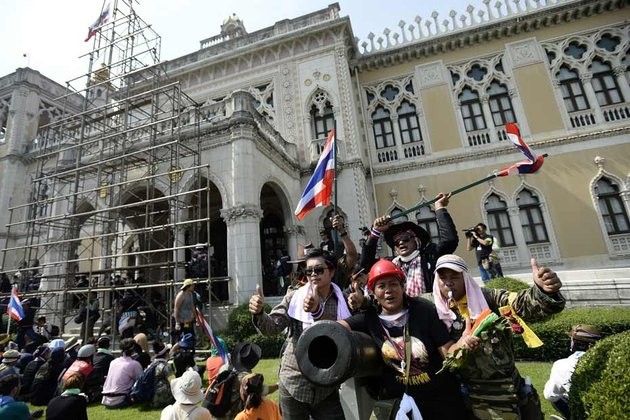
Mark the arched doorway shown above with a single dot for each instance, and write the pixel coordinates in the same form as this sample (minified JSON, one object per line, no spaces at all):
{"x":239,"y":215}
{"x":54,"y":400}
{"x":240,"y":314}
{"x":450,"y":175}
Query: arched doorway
{"x":273,"y":241}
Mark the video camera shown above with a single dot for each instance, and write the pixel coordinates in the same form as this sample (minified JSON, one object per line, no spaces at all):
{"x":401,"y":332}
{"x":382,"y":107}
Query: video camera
{"x":469,"y":232}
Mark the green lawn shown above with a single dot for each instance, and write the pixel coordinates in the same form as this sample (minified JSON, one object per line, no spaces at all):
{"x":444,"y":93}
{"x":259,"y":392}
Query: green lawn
{"x":537,"y":371}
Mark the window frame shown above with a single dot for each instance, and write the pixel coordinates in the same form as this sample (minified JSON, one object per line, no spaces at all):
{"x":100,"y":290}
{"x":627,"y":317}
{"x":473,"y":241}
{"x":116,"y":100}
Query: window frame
{"x":610,"y":214}
{"x":469,"y":104}
{"x":570,"y":98}
{"x":387,"y":129}
{"x":408,"y":117}
{"x":531,"y":226}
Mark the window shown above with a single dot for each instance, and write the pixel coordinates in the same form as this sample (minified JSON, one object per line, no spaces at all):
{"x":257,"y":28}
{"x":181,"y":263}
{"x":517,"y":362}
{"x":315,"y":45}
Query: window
{"x":604,"y":84}
{"x":471,"y":110}
{"x":395,"y":212}
{"x":572,"y":90}
{"x":425,"y":218}
{"x":382,"y":125}
{"x":408,"y":123}
{"x":611,"y":207}
{"x":322,"y":124}
{"x":532,"y":220}
{"x":500,"y":105}
{"x":499,"y":220}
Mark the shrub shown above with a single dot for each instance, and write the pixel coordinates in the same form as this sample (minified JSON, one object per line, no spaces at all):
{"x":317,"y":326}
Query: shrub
{"x":271,"y":345}
{"x":507,"y":283}
{"x":240,"y":328}
{"x":600,"y":386}
{"x":553,"y":331}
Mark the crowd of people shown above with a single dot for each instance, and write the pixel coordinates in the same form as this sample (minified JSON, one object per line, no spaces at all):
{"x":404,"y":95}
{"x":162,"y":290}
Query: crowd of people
{"x":419,"y":308}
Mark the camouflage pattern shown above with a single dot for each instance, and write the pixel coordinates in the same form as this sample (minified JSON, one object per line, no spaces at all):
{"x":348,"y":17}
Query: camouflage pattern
{"x":494,"y":387}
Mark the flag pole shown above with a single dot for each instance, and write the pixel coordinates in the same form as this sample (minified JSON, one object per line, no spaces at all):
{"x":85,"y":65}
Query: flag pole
{"x":8,"y":324}
{"x":335,"y":242}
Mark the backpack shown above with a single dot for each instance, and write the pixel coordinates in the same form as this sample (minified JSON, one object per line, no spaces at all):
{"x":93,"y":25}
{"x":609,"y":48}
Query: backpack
{"x":143,"y":388}
{"x":219,"y":396}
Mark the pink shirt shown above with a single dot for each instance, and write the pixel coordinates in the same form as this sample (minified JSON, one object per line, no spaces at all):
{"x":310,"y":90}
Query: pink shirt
{"x":122,"y":373}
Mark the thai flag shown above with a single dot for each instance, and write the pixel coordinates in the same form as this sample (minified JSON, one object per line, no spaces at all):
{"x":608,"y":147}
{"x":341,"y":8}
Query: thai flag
{"x":211,"y":335}
{"x":319,"y":188}
{"x":529,"y":166}
{"x":14,"y":308}
{"x":102,"y":20}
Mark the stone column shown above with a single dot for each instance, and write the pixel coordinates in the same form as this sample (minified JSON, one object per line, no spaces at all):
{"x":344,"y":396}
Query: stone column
{"x":519,"y":239}
{"x":487,"y":115}
{"x":243,"y":242}
{"x":294,"y":235}
{"x":620,"y":75}
{"x":592,"y":98}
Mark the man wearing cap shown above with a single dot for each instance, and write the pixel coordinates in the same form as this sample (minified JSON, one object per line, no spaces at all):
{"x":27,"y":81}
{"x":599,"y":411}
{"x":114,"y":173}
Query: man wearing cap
{"x":40,"y":357}
{"x":583,"y":337}
{"x":10,"y":358}
{"x":183,"y":353}
{"x":415,"y":253}
{"x":122,"y":373}
{"x":163,"y":395}
{"x":494,"y":387}
{"x":184,"y":310}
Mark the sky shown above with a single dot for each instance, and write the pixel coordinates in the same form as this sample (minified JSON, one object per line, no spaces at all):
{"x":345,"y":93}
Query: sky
{"x":47,"y":36}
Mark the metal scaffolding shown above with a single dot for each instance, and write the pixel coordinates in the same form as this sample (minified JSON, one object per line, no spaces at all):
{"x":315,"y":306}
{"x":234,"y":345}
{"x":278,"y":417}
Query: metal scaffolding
{"x":119,"y":188}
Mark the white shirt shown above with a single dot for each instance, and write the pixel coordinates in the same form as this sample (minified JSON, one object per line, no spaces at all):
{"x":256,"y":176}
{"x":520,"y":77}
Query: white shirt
{"x":178,"y":411}
{"x":559,"y":383}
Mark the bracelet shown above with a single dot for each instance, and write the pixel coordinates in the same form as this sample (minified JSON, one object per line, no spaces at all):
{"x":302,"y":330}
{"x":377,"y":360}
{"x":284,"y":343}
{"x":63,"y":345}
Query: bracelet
{"x":343,"y":234}
{"x":319,"y":312}
{"x":374,"y":232}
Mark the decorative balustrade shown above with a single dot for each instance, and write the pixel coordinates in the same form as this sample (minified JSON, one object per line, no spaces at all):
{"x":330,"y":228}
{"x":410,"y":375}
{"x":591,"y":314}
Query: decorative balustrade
{"x":387,"y":154}
{"x":508,"y":256}
{"x":406,"y":34}
{"x":478,"y":137}
{"x":582,"y":118}
{"x":616,"y":112}
{"x":620,"y":244}
{"x":413,"y":150}
{"x":542,"y":252}
{"x":316,"y":148}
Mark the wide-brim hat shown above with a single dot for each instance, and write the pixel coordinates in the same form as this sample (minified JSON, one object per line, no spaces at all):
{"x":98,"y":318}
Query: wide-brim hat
{"x":585,"y":332}
{"x":187,"y":388}
{"x":71,"y":343}
{"x":187,"y":282}
{"x":10,"y":356}
{"x":246,"y":356}
{"x":161,"y":349}
{"x":394,"y":229}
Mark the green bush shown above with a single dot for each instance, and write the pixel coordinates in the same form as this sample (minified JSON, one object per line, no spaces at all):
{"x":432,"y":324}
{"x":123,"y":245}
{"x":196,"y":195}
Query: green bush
{"x":553,"y":331}
{"x":507,"y":283}
{"x":271,"y":345}
{"x":600,"y":386}
{"x":240,"y":328}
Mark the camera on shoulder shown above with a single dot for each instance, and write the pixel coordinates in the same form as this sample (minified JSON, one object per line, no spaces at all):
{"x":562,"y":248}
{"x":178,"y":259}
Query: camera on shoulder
{"x":469,"y":232}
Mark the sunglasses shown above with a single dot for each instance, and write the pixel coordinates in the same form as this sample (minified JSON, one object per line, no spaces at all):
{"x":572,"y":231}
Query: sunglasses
{"x":317,"y":270}
{"x":402,"y":238}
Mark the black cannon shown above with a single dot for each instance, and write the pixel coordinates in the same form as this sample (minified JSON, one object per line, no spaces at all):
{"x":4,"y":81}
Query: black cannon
{"x":328,"y":354}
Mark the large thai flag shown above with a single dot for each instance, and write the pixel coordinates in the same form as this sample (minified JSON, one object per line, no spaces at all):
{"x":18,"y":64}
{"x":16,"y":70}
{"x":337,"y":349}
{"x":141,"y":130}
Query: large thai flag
{"x":319,"y":188}
{"x":205,"y":325}
{"x":529,"y":166}
{"x":14,"y":308}
{"x":103,"y":18}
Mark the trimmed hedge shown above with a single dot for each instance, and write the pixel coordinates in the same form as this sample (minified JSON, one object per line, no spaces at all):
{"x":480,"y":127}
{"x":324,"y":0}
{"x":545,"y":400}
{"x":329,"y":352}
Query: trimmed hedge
{"x":600,"y":386}
{"x":507,"y":283}
{"x":240,"y":328}
{"x":553,"y":331}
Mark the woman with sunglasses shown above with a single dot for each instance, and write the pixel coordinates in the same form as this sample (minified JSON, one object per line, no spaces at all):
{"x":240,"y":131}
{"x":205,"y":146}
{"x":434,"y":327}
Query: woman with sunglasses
{"x":415,"y":253}
{"x":318,"y":299}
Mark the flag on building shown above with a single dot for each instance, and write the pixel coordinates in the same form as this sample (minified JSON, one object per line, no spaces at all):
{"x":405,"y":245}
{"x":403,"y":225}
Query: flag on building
{"x":529,"y":166}
{"x":14,"y":308}
{"x":102,"y":20}
{"x":205,"y":325}
{"x":319,"y":188}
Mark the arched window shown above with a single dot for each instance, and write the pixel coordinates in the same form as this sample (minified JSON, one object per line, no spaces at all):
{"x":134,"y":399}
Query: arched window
{"x":322,"y":124}
{"x":425,"y":217}
{"x":471,"y":110}
{"x":605,"y":84}
{"x":382,"y":125}
{"x":499,"y":220}
{"x":611,"y":207}
{"x":531,"y":216}
{"x":500,"y":105}
{"x":572,"y":90}
{"x":408,"y":123}
{"x":395,"y":212}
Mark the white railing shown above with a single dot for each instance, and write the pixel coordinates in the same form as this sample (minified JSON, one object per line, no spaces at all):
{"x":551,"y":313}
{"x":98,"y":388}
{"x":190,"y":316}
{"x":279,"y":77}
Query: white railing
{"x":616,"y":112}
{"x":582,"y":118}
{"x":387,"y":154}
{"x":508,"y":256}
{"x":317,"y":146}
{"x":620,"y":244}
{"x":542,"y":252}
{"x":478,"y":137}
{"x":413,"y":150}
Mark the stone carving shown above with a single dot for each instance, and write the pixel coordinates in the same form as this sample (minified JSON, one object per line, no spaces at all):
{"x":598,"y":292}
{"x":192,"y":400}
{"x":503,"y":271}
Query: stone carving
{"x":430,"y":74}
{"x":242,"y":213}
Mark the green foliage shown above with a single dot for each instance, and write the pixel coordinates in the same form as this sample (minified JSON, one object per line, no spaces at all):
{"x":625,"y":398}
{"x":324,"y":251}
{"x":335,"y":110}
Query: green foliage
{"x":241,"y":329}
{"x":600,"y":386}
{"x":553,"y":331}
{"x":507,"y":283}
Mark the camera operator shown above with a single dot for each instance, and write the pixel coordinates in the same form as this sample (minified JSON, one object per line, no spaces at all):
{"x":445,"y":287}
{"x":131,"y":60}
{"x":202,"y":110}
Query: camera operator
{"x":478,"y":239}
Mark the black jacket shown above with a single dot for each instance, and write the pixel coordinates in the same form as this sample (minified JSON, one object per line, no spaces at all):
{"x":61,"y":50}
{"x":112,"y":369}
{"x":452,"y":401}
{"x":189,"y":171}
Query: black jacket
{"x":430,"y":253}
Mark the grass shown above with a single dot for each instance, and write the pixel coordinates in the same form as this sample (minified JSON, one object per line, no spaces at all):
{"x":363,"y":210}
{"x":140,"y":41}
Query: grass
{"x":537,"y":371}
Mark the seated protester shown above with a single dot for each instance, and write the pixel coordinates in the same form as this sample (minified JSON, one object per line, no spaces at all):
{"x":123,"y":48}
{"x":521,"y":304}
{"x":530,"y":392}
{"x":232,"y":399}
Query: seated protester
{"x":142,"y":350}
{"x":71,"y":404}
{"x":10,"y":358}
{"x":9,"y":389}
{"x":103,"y":357}
{"x":187,"y":392}
{"x":583,"y":337}
{"x":92,"y":382}
{"x":41,"y":355}
{"x":45,"y":381}
{"x":413,"y":343}
{"x":123,"y":372}
{"x":24,"y":360}
{"x":163,"y":373}
{"x":72,"y":347}
{"x":494,"y":386}
{"x":256,"y":407}
{"x":183,"y":354}
{"x":215,"y":361}
{"x":42,"y":329}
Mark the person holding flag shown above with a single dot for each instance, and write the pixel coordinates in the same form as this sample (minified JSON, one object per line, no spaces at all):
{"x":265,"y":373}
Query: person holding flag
{"x":14,"y":308}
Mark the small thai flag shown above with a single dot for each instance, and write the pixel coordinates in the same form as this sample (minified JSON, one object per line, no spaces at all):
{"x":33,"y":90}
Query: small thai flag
{"x":14,"y":308}
{"x":319,"y":188}
{"x":529,"y":166}
{"x":211,"y":335}
{"x":103,"y":18}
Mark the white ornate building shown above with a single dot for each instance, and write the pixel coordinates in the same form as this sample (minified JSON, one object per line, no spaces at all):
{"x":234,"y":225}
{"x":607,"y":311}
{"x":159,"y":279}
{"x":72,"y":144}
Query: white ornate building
{"x":419,"y":110}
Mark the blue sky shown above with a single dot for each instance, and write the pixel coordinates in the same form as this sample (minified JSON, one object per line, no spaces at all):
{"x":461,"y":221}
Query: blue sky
{"x":51,"y":33}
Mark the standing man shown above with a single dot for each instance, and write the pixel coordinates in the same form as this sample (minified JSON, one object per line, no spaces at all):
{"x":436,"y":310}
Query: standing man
{"x":481,"y":241}
{"x":184,"y":311}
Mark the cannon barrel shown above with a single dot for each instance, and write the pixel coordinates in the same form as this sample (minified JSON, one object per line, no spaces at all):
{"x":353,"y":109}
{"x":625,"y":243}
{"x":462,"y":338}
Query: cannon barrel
{"x":328,"y":354}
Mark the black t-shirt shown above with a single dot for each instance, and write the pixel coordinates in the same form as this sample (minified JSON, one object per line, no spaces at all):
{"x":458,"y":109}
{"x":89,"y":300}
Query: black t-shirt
{"x":67,"y":407}
{"x":437,"y":396}
{"x":482,"y":250}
